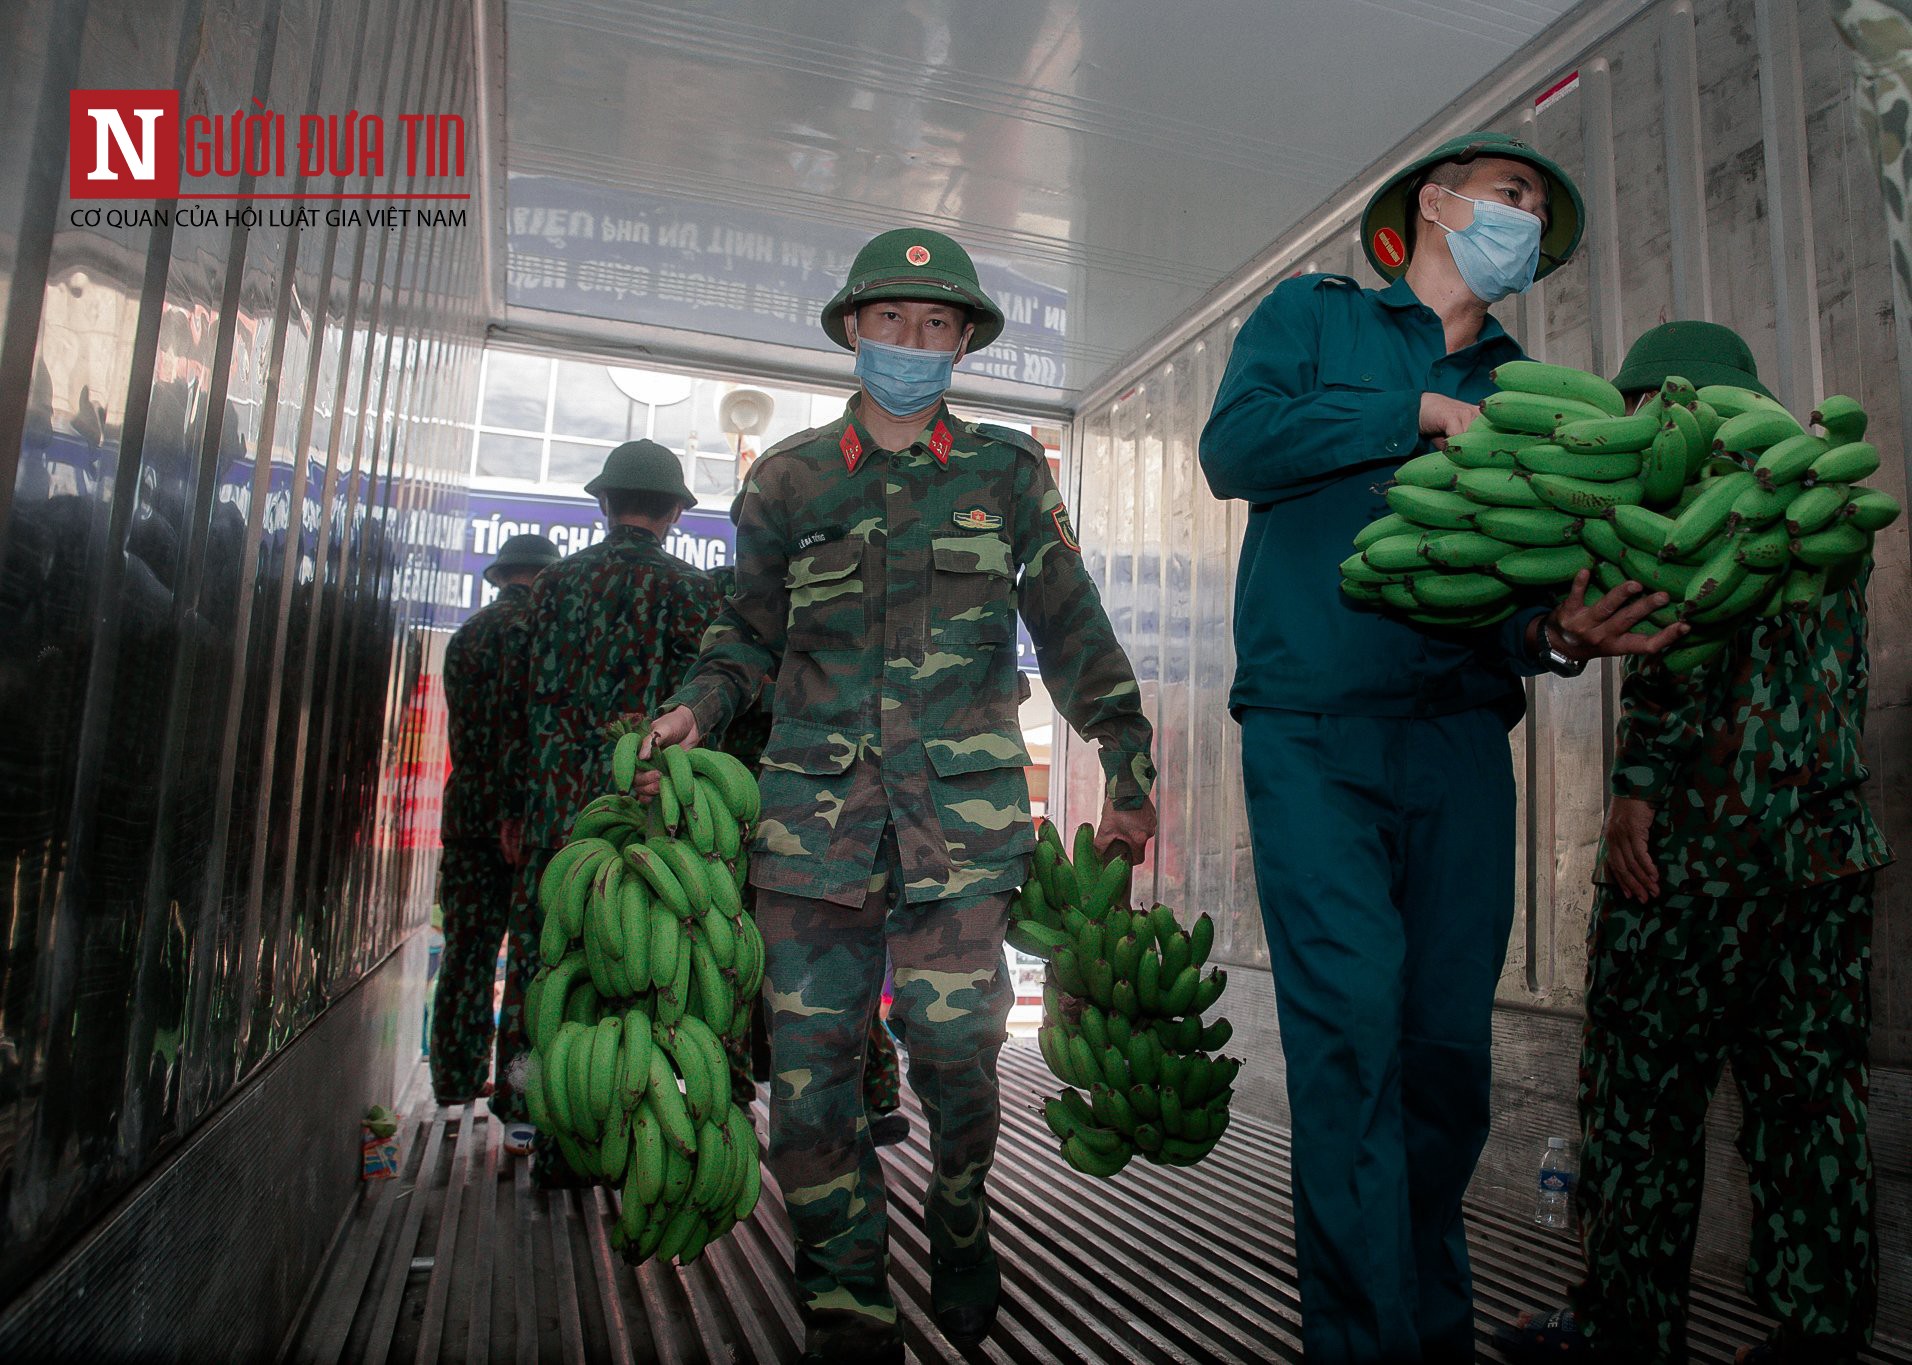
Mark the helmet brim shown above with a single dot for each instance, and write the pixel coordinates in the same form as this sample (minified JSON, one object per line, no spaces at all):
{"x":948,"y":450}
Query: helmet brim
{"x":985,"y":316}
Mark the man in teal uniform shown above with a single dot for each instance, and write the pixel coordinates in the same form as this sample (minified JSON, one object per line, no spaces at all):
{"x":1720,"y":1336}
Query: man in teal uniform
{"x":1732,"y":922}
{"x":881,"y":562}
{"x":1379,"y":780}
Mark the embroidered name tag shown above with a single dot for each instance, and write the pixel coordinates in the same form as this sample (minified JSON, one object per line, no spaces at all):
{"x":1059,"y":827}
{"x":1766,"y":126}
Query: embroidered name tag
{"x":823,"y":535}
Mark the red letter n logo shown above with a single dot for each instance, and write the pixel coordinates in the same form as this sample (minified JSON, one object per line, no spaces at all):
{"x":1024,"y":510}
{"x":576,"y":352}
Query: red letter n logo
{"x":123,"y":144}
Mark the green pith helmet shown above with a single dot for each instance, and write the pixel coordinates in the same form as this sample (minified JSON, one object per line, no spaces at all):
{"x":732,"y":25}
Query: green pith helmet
{"x":522,"y":552}
{"x":1699,"y":352}
{"x":914,"y":263}
{"x":643,"y":467}
{"x":1384,"y":224}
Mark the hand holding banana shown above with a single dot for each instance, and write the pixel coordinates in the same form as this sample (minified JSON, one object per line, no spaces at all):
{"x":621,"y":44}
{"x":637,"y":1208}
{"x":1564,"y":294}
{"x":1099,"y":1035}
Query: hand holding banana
{"x":650,"y":964}
{"x":1122,"y":1014}
{"x":1668,"y":526}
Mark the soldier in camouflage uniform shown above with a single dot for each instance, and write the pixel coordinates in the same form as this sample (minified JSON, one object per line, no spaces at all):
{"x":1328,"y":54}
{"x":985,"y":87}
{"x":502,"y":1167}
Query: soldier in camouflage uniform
{"x":745,"y":738}
{"x":475,"y":882}
{"x":1732,"y":922}
{"x":881,"y":562}
{"x":612,"y":630}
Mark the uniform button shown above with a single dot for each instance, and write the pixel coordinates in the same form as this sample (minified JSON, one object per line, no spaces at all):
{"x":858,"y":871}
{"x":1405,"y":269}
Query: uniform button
{"x":1367,"y":379}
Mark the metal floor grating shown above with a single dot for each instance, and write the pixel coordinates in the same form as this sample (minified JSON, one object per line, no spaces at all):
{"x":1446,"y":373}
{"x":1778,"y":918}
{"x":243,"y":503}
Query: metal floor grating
{"x":471,"y":1264}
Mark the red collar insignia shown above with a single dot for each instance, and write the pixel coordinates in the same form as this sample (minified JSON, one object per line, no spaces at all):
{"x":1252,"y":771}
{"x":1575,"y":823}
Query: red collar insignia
{"x":852,"y":449}
{"x":939,"y":443}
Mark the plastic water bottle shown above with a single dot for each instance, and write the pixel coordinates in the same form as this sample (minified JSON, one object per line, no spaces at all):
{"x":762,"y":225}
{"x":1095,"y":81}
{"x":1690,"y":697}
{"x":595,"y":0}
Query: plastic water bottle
{"x":1555,"y":1209}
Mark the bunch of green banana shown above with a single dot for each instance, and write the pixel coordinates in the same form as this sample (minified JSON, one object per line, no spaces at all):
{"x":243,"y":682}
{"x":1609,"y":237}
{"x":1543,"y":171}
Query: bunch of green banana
{"x":1122,"y":1014}
{"x":1716,"y":496}
{"x":650,"y":965}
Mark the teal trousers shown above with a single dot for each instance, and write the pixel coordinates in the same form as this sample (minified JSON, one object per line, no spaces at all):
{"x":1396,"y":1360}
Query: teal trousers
{"x":1384,"y":855}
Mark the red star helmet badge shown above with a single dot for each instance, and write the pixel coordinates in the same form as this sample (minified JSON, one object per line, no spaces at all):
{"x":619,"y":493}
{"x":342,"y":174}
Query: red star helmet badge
{"x":939,"y":443}
{"x":917,"y":255}
{"x":852,"y":449}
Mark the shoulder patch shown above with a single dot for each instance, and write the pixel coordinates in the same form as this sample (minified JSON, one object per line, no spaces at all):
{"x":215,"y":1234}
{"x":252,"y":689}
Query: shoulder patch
{"x":792,"y":442}
{"x":1022,"y":440}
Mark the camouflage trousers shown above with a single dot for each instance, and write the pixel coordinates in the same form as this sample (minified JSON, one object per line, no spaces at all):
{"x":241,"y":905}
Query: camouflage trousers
{"x":882,"y":1074}
{"x":823,"y":982}
{"x":475,"y":889}
{"x":1676,"y":989}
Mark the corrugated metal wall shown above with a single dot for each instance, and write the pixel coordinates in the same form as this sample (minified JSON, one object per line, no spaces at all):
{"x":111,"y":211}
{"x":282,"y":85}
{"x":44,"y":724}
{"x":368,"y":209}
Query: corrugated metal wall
{"x":1718,"y":145}
{"x":227,"y":470}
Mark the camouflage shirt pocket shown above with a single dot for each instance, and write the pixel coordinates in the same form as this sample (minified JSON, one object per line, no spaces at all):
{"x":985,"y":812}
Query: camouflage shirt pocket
{"x":828,"y":607}
{"x":973,"y":590}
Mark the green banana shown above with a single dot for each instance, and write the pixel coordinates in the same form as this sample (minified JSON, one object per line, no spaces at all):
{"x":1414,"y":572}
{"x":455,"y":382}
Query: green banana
{"x":1597,"y":467}
{"x":1600,"y":537}
{"x":650,"y":864}
{"x":1765,"y":549}
{"x":1432,"y":470}
{"x":555,"y":995}
{"x":1528,"y":526}
{"x":732,"y":780}
{"x":1788,"y":461}
{"x":1871,"y":510}
{"x":1663,"y":467}
{"x":1804,"y":587}
{"x":604,"y":1067}
{"x":1816,"y":508}
{"x":624,"y":760}
{"x":1842,"y":418}
{"x":1498,"y":488}
{"x":668,"y":1102}
{"x":1539,"y":414}
{"x":1067,"y":968}
{"x":1463,"y":549}
{"x":1102,"y":1165}
{"x":1688,"y":657}
{"x":1201,"y":939}
{"x":1037,"y":940}
{"x":1583,"y":497}
{"x":1642,"y":528}
{"x":1845,"y":464}
{"x":1179,"y":995}
{"x":1432,"y":508}
{"x":690,"y":870}
{"x":1458,"y":590}
{"x":1745,"y":598}
{"x":1657,"y":575}
{"x":1710,"y":420}
{"x":1707,"y":516}
{"x":1472,"y":450}
{"x":667,"y":944}
{"x":1559,"y":381}
{"x":1210,"y":990}
{"x":1721,"y":573}
{"x":1396,"y":554}
{"x":1610,"y":434}
{"x":1541,"y":567}
{"x":1393,"y":524}
{"x":1827,"y":548}
{"x":1360,"y":577}
{"x":1730,"y":401}
{"x":1756,"y":430}
{"x":699,"y":824}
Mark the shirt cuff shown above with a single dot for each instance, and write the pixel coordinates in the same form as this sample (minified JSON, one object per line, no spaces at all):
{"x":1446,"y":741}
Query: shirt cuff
{"x":709,"y":702}
{"x":1130,"y":777}
{"x":1640,"y":782}
{"x":1513,"y":642}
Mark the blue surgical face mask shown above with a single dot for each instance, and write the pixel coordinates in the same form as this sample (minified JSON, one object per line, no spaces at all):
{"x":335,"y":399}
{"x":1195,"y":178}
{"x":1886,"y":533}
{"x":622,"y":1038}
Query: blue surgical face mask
{"x":1498,"y":253}
{"x":902,"y":379}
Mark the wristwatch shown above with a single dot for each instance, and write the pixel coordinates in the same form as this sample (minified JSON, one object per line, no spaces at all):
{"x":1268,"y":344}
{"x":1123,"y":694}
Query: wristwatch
{"x":1557,"y":663}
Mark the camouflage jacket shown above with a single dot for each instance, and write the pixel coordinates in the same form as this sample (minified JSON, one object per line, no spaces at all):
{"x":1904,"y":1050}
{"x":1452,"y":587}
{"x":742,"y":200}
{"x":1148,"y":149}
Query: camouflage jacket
{"x":612,"y":630}
{"x":1753,"y":758}
{"x":881,"y":589}
{"x":748,"y":734}
{"x":477,"y":714}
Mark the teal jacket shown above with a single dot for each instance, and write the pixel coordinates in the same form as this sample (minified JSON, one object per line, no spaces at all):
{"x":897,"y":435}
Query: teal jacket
{"x":1320,"y":403}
